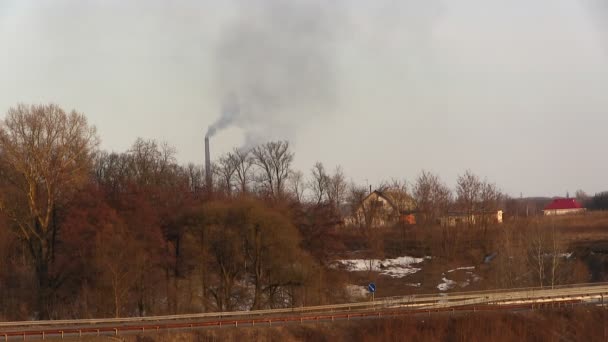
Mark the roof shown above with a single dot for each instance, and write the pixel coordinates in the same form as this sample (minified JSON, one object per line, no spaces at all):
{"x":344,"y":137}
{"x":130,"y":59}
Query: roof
{"x":388,"y":197}
{"x":563,"y":203}
{"x":380,"y":194}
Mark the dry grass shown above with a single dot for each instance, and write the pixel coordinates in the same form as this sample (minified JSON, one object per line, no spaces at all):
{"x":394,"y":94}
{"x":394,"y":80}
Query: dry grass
{"x":580,"y":324}
{"x":590,"y":226}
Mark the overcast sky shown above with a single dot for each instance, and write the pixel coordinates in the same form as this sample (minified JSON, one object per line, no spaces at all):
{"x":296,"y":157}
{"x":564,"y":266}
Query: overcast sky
{"x":515,"y":90}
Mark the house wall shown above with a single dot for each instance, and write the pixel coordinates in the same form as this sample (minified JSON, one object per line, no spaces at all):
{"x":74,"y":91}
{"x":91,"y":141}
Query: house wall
{"x":555,"y":212}
{"x":376,"y":211}
{"x":455,"y":220}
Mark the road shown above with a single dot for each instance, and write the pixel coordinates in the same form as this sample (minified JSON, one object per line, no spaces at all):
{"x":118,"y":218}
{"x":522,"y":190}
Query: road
{"x":512,"y":299}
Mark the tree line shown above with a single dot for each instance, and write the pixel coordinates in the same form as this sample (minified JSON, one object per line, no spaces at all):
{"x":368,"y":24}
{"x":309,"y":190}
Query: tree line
{"x":88,"y":233}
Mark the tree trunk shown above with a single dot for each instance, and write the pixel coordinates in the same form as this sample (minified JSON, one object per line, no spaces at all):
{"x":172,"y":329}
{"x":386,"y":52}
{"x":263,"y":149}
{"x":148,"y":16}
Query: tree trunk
{"x":44,"y":289}
{"x":257,"y":266}
{"x":203,"y":271}
{"x":41,"y":258}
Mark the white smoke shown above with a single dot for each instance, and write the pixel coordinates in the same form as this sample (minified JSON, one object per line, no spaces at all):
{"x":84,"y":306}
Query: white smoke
{"x":230,"y":113}
{"x":275,"y":65}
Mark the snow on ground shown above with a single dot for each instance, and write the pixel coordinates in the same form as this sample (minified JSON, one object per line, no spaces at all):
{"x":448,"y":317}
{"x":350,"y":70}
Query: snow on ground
{"x":446,"y":285}
{"x":356,"y":291}
{"x":396,"y":268}
{"x":461,"y":268}
{"x":474,"y":276}
{"x":566,"y":255}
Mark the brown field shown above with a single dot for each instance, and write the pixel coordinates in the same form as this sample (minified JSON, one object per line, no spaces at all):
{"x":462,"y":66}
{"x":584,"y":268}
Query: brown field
{"x":585,"y":236}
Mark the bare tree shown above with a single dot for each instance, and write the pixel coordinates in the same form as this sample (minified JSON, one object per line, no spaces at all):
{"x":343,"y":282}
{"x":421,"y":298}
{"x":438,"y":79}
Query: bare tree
{"x":490,"y":198}
{"x":354,"y":199}
{"x":468,"y":192}
{"x":296,"y":185}
{"x":243,"y":163}
{"x":195,"y":176}
{"x":336,"y":188}
{"x":274,"y":160}
{"x":319,"y":183}
{"x":432,"y":196}
{"x":114,"y":171}
{"x":145,"y":159}
{"x":398,"y":191}
{"x":582,"y":197}
{"x":224,"y":170}
{"x":536,"y":253}
{"x":46,"y":154}
{"x":557,"y":255}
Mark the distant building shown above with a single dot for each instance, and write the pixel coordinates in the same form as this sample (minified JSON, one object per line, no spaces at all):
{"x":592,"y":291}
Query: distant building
{"x":384,"y":208}
{"x":563,"y":206}
{"x":454,"y":219}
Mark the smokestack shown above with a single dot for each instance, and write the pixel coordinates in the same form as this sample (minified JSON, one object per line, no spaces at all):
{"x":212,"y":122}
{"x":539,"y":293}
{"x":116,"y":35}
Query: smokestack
{"x":208,"y":179}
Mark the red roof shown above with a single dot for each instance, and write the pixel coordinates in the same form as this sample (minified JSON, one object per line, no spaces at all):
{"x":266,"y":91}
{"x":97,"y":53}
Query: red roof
{"x":563,"y":203}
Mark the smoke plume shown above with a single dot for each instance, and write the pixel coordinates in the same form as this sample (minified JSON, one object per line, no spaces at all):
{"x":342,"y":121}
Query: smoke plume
{"x":598,"y":11}
{"x":275,"y":66}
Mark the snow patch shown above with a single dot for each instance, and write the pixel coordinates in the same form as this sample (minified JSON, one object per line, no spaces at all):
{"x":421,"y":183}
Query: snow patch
{"x":461,"y":269}
{"x":446,"y":285}
{"x":356,"y":291}
{"x":395,"y":268}
{"x":474,"y":277}
{"x":566,"y":255}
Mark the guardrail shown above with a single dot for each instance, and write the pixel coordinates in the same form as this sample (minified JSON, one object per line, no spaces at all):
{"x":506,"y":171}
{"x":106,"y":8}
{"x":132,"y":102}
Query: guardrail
{"x":411,"y":303}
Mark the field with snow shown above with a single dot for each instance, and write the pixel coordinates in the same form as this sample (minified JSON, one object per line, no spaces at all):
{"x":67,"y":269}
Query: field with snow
{"x":404,"y":267}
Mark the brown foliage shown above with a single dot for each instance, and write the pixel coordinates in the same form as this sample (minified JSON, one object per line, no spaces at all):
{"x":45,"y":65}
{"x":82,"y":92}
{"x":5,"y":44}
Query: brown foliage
{"x":45,"y":156}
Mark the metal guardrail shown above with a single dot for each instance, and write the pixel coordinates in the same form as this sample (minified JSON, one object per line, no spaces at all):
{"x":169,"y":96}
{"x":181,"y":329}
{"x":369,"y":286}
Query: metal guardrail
{"x":413,"y":301}
{"x":386,"y":307}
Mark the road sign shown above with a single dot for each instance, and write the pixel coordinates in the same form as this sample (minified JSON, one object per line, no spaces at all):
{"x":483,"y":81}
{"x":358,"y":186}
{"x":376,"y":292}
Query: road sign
{"x":371,"y":287}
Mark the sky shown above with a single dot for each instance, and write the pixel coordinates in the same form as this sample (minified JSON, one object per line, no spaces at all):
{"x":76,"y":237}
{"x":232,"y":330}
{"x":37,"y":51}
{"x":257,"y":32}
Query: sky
{"x":514,"y":90}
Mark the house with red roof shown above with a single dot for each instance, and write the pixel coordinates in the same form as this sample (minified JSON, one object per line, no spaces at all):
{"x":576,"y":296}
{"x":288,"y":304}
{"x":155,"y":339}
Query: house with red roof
{"x":563,"y":206}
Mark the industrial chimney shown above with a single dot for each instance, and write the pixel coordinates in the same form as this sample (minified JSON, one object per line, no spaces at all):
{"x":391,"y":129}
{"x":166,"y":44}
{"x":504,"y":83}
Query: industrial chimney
{"x":208,"y":179}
